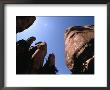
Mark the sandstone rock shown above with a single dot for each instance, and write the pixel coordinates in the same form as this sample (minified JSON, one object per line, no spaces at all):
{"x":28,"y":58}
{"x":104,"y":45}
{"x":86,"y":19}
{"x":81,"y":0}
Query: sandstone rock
{"x":38,"y":56}
{"x":24,"y":22}
{"x":30,"y":59}
{"x":79,"y":48}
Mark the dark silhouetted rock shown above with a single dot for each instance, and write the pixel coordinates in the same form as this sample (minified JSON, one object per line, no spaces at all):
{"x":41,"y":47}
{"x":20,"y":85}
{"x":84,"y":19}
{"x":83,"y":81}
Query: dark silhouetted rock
{"x":79,"y":49}
{"x":30,"y":59}
{"x":24,"y":22}
{"x":23,"y":56}
{"x":49,"y":66}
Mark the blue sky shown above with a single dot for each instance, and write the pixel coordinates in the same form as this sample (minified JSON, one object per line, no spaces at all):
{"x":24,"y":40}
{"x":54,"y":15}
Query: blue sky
{"x":50,"y":29}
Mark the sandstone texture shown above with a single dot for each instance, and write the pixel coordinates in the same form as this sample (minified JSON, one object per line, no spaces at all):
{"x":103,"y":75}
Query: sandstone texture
{"x":39,"y":55}
{"x":79,"y":49}
{"x":24,"y":22}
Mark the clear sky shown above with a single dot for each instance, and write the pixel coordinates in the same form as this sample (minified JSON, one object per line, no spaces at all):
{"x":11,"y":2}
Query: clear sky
{"x":50,"y":29}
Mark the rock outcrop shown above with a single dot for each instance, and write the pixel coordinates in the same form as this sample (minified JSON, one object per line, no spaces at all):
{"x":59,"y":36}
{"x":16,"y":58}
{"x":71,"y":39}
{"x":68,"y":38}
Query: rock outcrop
{"x":24,"y":22}
{"x":23,"y":56}
{"x":79,"y":49}
{"x":49,"y":66}
{"x":30,"y":59}
{"x":38,"y":56}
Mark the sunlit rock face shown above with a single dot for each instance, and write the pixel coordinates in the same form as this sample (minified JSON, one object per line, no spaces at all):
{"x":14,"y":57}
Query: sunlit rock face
{"x":38,"y":56}
{"x":24,"y":22}
{"x":79,"y":49}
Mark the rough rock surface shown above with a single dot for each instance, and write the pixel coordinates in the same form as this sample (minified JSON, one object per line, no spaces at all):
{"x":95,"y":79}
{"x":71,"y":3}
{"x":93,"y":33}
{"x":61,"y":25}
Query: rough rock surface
{"x":38,"y":56}
{"x":24,"y":22}
{"x":79,"y":49}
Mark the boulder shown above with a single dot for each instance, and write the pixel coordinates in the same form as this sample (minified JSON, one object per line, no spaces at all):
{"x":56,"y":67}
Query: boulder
{"x":79,"y":49}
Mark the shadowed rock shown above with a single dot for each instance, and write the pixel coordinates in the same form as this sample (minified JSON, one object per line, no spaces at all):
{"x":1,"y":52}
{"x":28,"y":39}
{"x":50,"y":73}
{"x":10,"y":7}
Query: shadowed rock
{"x":30,"y":59}
{"x":49,"y":67}
{"x":24,"y":22}
{"x":23,"y":56}
{"x":79,"y":49}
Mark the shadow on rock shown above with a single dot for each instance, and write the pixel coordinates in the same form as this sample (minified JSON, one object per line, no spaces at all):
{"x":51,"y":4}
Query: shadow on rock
{"x":30,"y":59}
{"x":79,"y":49}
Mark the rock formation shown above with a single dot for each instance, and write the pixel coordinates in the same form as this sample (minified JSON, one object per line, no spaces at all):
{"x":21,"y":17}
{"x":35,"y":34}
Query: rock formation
{"x":30,"y":59}
{"x":38,"y":56}
{"x":49,"y":66}
{"x":23,"y":56}
{"x":24,"y":22}
{"x":79,"y":49}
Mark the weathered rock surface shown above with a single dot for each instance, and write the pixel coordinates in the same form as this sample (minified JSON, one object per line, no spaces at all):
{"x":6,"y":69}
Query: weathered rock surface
{"x":79,"y":49}
{"x":24,"y":22}
{"x":38,"y":56}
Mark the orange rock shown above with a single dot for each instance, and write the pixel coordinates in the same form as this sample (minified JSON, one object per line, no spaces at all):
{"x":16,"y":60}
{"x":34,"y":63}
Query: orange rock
{"x":39,"y":55}
{"x":79,"y":47}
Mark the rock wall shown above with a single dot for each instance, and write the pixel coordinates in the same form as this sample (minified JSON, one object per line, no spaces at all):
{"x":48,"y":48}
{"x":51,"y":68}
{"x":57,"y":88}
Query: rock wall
{"x":79,"y":49}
